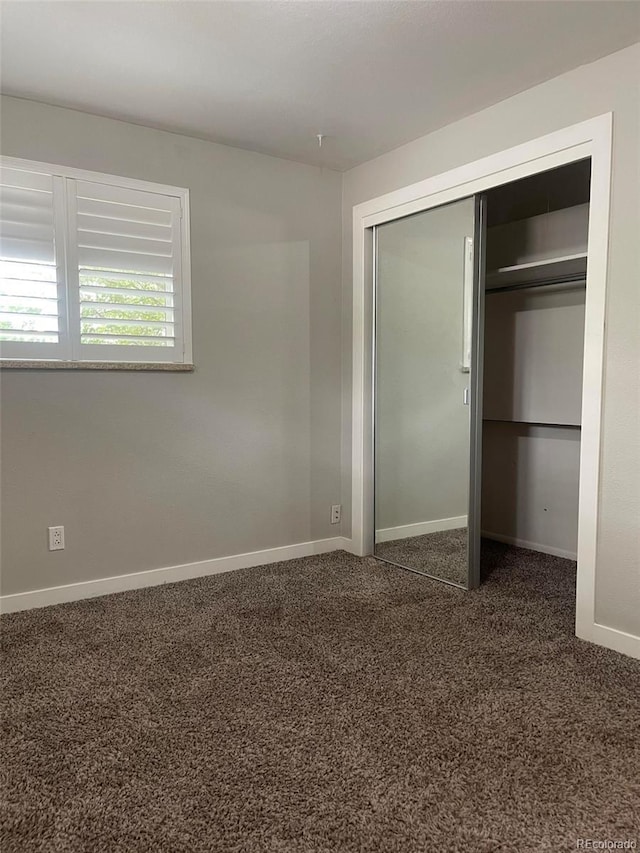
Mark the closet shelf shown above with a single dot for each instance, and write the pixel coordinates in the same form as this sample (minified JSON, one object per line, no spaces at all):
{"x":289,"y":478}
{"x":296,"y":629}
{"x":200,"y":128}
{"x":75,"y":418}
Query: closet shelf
{"x":569,"y":268}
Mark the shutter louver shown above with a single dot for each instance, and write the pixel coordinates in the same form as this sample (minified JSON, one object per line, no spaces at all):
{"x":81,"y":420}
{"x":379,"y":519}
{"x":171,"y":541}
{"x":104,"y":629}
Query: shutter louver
{"x":127,"y":266}
{"x":30,"y":305}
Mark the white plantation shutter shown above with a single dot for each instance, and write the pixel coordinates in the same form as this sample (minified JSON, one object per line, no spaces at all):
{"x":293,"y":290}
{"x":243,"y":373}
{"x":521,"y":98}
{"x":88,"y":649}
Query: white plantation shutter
{"x":32,"y":293}
{"x":92,"y":269}
{"x":127,"y":256}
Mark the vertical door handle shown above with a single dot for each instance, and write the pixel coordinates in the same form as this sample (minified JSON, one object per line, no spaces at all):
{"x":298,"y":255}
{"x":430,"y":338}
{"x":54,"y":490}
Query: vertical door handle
{"x":467,"y":305}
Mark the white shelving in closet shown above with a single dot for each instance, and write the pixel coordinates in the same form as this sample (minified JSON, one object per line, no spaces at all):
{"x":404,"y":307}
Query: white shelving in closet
{"x":539,"y":273}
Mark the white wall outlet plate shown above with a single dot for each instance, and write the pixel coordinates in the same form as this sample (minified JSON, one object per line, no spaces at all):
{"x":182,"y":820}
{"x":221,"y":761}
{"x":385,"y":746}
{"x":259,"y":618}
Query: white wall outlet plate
{"x":336,"y":512}
{"x":56,"y":538}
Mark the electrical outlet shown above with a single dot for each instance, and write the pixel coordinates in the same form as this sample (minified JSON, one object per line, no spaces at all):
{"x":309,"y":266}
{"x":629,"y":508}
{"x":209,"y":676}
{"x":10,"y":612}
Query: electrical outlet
{"x":56,"y":538}
{"x":336,"y":511}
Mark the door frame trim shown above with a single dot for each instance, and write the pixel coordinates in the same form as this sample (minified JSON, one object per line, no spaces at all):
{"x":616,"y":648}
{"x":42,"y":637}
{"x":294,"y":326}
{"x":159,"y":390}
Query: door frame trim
{"x":591,"y":138}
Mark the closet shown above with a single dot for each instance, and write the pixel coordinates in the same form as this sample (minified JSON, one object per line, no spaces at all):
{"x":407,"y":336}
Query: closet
{"x":479,"y":310}
{"x":536,"y":258}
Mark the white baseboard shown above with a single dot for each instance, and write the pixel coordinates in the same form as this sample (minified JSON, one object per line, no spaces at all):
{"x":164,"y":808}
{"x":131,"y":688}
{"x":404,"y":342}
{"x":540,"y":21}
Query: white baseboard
{"x":532,"y":546}
{"x":170,"y":574}
{"x":388,"y":534}
{"x":349,"y":546}
{"x":610,"y":638}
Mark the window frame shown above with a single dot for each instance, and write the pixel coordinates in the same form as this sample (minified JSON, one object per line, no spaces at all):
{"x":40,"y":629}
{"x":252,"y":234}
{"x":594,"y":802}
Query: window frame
{"x":69,"y":351}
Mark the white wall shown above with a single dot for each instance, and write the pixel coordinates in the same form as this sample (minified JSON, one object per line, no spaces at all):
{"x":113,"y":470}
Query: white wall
{"x":530,"y":477}
{"x":533,"y":354}
{"x":611,"y":84}
{"x":149,"y":470}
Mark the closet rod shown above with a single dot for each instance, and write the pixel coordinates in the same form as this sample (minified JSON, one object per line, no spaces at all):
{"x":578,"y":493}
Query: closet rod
{"x":576,"y":280}
{"x":531,"y":423}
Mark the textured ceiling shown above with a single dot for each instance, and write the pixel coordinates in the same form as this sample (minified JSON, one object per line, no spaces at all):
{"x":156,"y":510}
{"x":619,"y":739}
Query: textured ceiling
{"x":269,"y":76}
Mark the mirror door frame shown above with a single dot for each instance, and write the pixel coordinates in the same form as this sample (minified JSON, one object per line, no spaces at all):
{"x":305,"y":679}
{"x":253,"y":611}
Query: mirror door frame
{"x":588,"y":139}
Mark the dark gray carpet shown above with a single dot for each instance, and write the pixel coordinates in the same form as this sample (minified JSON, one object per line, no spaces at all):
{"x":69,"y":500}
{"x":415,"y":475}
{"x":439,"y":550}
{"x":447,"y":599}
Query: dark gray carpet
{"x":444,"y":554}
{"x":325,"y":704}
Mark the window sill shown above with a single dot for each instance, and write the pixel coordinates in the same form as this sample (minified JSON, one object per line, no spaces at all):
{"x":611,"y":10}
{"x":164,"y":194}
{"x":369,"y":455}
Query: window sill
{"x":54,"y":364}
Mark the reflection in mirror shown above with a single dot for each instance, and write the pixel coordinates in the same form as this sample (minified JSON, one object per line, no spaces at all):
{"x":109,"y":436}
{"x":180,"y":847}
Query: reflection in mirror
{"x":422,"y":425}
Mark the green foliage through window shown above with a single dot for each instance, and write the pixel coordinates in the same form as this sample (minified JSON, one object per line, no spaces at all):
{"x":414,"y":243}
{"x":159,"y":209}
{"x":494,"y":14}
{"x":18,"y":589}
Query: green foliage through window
{"x":98,"y":312}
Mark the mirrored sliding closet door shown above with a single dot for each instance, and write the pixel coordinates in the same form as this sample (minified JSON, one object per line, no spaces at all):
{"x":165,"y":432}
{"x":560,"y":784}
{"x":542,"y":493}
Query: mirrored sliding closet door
{"x":425,"y":305}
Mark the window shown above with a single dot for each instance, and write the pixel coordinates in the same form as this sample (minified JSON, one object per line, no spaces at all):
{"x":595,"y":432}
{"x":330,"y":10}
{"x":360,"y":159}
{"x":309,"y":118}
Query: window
{"x":92,"y":267}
